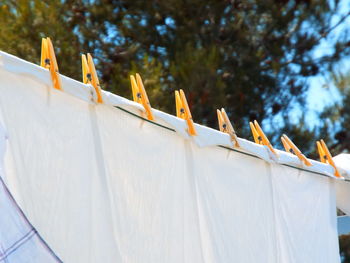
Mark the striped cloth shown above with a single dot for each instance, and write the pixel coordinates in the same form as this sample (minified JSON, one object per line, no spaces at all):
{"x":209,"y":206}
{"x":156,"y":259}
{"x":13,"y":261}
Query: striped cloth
{"x":19,"y":240}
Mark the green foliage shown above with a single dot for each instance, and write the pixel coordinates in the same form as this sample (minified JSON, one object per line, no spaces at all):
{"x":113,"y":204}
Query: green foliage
{"x":251,"y":57}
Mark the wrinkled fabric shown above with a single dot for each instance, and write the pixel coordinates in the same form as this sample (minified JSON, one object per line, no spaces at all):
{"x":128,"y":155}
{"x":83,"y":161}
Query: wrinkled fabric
{"x":19,"y":240}
{"x":102,"y":185}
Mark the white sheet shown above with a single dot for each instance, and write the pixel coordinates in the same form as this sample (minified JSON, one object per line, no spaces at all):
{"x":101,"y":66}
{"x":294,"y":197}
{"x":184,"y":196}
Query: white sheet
{"x":19,"y":240}
{"x":102,"y":185}
{"x":343,"y":186}
{"x":205,"y":135}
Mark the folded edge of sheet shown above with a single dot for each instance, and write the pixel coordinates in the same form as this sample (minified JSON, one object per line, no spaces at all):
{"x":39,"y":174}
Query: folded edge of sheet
{"x":206,"y":136}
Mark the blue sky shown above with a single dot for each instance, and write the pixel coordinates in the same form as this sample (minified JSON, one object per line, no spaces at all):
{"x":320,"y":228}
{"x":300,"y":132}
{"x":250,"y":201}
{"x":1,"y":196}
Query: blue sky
{"x":321,"y":94}
{"x":343,"y":225}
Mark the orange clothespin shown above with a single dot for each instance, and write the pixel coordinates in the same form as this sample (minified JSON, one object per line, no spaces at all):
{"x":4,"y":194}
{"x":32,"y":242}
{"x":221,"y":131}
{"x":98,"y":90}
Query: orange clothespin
{"x":259,"y":136}
{"x":90,"y":75}
{"x":140,"y":96}
{"x":183,"y":111}
{"x":289,"y":146}
{"x":326,"y":157}
{"x":48,"y":60}
{"x":226,"y":126}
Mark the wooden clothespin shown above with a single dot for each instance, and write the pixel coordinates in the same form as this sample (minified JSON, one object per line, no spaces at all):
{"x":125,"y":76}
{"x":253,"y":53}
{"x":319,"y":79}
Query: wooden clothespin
{"x":326,"y":157}
{"x":226,"y":126}
{"x":259,"y":136}
{"x":90,"y":75}
{"x":48,"y":60}
{"x":140,"y":96}
{"x":289,"y":146}
{"x":183,"y":111}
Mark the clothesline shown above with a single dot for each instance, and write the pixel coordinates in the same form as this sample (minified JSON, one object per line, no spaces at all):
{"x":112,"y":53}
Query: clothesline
{"x":100,"y":185}
{"x":205,"y":135}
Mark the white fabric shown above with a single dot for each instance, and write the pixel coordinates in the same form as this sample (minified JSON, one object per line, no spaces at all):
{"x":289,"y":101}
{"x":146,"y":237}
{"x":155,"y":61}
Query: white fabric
{"x":19,"y":241}
{"x":205,"y":136}
{"x":101,"y":185}
{"x":342,"y":162}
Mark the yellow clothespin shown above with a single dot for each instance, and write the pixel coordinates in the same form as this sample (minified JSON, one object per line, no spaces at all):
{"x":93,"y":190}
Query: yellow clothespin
{"x":48,"y":60}
{"x":140,"y":96}
{"x":259,"y":136}
{"x":326,"y":157}
{"x":90,"y":75}
{"x":183,"y":111}
{"x":289,"y":146}
{"x":226,"y":126}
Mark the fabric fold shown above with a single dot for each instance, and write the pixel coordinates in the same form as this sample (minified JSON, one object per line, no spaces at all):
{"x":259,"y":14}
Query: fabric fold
{"x":101,"y":184}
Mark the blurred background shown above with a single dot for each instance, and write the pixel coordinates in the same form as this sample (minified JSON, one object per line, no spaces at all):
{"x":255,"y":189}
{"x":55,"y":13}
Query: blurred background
{"x":283,"y":63}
